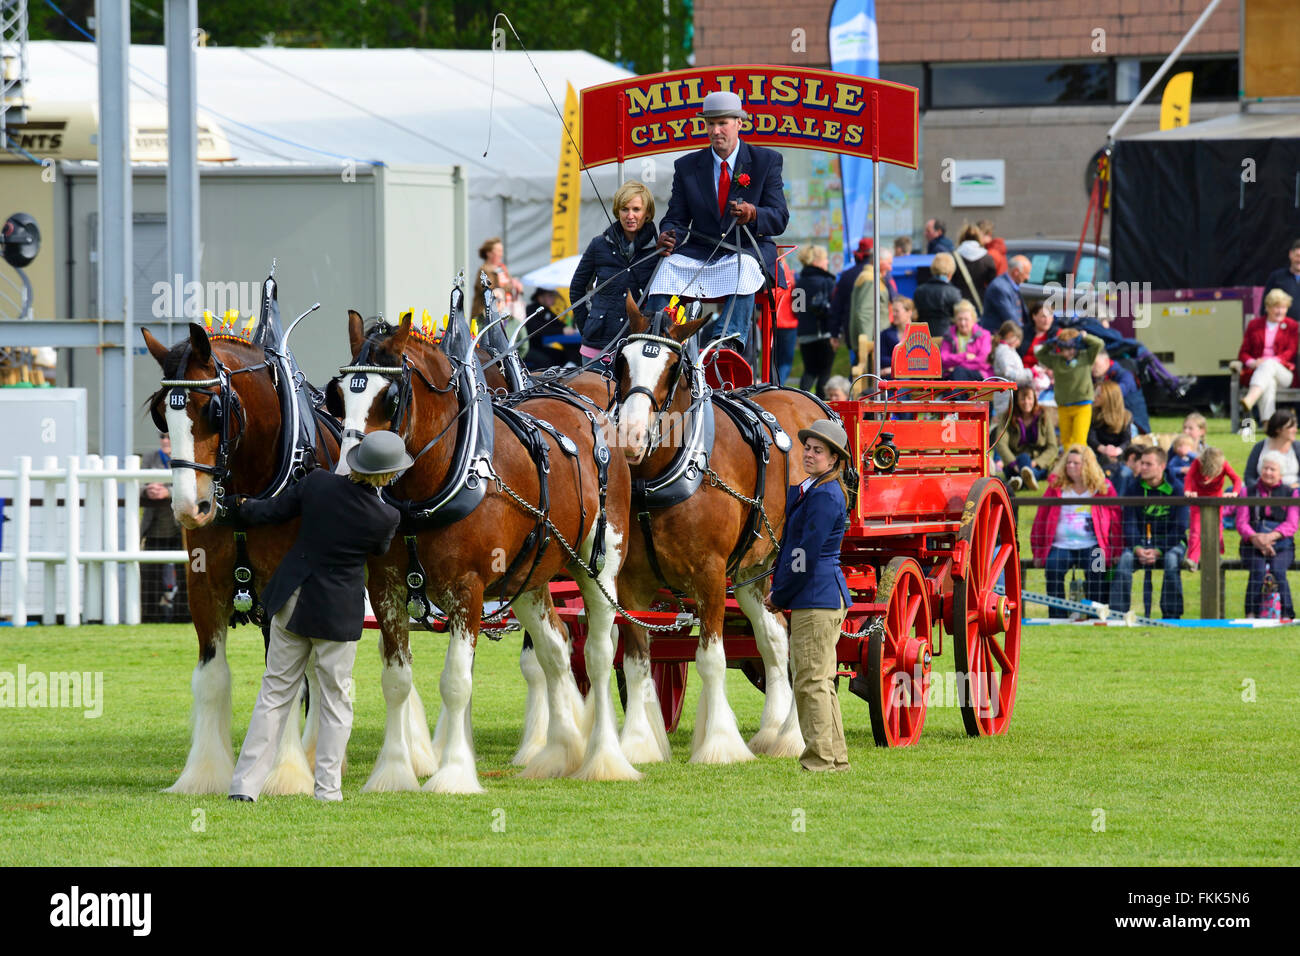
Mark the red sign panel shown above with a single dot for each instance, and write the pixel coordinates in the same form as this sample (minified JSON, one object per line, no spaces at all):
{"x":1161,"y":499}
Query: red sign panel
{"x":803,"y":109}
{"x":916,"y":356}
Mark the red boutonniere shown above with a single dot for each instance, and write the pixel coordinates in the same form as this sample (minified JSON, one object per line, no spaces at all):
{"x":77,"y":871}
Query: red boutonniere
{"x":743,"y":179}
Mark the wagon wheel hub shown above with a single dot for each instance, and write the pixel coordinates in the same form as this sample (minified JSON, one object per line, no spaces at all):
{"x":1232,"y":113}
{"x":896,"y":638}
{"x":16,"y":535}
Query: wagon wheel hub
{"x":995,"y":613}
{"x":914,"y":657}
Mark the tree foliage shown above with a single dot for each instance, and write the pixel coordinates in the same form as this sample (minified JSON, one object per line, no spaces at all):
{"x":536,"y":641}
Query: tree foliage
{"x":637,"y":34}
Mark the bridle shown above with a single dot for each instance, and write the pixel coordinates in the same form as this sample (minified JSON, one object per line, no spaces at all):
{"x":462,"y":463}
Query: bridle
{"x":398,"y":396}
{"x":223,"y":405}
{"x":653,"y":341}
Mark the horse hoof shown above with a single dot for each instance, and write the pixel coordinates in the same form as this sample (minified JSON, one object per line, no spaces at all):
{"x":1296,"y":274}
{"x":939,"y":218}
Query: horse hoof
{"x":607,"y":764}
{"x":391,"y":775}
{"x":454,"y":779}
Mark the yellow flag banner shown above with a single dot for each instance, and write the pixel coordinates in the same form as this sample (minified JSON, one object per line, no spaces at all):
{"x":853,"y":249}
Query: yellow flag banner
{"x":568,"y":184}
{"x":1176,"y":107}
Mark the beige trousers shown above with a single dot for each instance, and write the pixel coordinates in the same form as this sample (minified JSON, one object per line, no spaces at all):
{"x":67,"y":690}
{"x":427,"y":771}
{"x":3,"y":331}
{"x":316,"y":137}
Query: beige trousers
{"x":286,"y":663}
{"x":813,"y":636}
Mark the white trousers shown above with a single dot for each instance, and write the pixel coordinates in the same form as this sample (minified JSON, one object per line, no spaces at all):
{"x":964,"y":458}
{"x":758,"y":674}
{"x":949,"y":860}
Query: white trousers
{"x":286,"y":663}
{"x":1269,"y":375}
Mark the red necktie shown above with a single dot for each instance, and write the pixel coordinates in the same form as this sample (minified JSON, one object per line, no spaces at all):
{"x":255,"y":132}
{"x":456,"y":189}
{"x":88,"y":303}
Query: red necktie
{"x":724,"y":185}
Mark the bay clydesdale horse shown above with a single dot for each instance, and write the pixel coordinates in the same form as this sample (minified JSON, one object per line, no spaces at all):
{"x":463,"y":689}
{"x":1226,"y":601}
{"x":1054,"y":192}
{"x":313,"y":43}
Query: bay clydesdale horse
{"x":403,"y":381}
{"x":224,"y":419}
{"x":694,"y":539}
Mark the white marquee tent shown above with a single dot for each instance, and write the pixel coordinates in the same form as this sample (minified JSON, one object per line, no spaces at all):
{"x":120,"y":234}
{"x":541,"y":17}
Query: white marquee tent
{"x":427,"y":107}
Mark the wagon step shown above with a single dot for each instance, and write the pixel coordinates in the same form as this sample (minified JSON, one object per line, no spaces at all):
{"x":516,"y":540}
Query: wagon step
{"x":1091,"y":608}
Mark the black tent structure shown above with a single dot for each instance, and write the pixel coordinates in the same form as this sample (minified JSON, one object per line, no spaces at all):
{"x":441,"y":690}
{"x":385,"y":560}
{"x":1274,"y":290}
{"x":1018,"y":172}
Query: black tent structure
{"x":1215,"y":203}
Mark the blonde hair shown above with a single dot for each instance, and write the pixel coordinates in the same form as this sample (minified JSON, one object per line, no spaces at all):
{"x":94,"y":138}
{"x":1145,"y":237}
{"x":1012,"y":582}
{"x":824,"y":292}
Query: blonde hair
{"x":1276,"y":296}
{"x":1094,"y":479}
{"x":628,"y":191}
{"x":1195,"y":418}
{"x":906,"y":303}
{"x":969,"y":232}
{"x":1211,"y":461}
{"x":810,"y":253}
{"x":1110,"y":407}
{"x":943,"y":264}
{"x":1182,"y":440}
{"x":965,"y":305}
{"x":374,"y":481}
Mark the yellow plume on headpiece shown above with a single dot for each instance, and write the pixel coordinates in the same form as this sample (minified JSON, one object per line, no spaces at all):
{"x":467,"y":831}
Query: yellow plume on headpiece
{"x":248,"y":326}
{"x":426,"y":323}
{"x":230,"y":318}
{"x":207,"y":319}
{"x":473,"y":326}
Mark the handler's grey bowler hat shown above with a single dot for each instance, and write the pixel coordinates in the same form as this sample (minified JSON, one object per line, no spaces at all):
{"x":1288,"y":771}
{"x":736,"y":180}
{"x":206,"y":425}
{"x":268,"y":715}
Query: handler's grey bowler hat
{"x":829,"y":432}
{"x":720,"y":104}
{"x":379,"y":453}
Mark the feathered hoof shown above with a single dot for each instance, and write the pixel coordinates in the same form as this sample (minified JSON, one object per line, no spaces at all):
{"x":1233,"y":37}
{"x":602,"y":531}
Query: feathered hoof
{"x":391,"y":775}
{"x":423,"y":760}
{"x":640,"y":746}
{"x":607,"y":764}
{"x":527,"y":752}
{"x":291,"y":776}
{"x":554,"y":760}
{"x":771,"y":742}
{"x":207,"y":777}
{"x":722,"y":747}
{"x":454,"y":779}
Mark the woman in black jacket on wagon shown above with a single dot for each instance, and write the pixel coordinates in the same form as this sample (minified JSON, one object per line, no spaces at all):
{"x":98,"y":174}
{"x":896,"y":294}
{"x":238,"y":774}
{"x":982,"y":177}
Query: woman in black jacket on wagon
{"x":817,"y":335}
{"x":631,"y":237}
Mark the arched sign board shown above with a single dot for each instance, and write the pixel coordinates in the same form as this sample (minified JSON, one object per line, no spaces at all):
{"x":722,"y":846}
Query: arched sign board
{"x":790,"y":107}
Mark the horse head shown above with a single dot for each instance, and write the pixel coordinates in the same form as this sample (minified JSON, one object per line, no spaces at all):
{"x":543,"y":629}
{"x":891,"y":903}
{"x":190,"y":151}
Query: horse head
{"x":386,"y":383}
{"x":648,"y":368}
{"x":208,"y":408}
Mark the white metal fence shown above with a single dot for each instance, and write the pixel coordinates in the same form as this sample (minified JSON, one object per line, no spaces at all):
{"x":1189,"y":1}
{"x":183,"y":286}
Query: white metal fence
{"x":77,"y":552}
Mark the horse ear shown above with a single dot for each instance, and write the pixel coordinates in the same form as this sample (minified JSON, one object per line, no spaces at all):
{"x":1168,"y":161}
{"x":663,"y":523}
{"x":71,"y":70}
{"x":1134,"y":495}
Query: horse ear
{"x":356,"y":331}
{"x":156,"y":348}
{"x":684,"y":331}
{"x":199,"y":340}
{"x":397,"y":344}
{"x":637,"y":323}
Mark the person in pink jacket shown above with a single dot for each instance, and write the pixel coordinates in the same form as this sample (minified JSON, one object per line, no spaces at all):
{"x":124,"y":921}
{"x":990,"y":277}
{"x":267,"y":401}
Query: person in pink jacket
{"x":965,"y":347}
{"x":1076,"y":536}
{"x":1268,"y":534}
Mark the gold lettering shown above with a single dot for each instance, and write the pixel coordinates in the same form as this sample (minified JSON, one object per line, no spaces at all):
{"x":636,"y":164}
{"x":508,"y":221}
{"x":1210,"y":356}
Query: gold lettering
{"x":657,"y":134}
{"x":639,"y":136}
{"x":766,"y":122}
{"x":697,"y":125}
{"x":678,"y":126}
{"x":645,"y":101}
{"x":852,"y":135}
{"x":785,"y":89}
{"x":693,"y":94}
{"x":848,"y":98}
{"x":831,"y":129}
{"x":725,"y":84}
{"x":788,"y":125}
{"x":810,"y":97}
{"x":810,"y":126}
{"x":674,"y":93}
{"x":756,"y":89}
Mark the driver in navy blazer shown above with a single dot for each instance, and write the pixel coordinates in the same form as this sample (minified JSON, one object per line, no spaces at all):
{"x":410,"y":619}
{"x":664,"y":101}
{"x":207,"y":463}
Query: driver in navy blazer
{"x":698,"y":216}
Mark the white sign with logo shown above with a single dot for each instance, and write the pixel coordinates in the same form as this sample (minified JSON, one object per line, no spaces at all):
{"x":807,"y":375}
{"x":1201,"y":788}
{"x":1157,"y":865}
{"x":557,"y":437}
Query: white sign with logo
{"x":979,"y":182}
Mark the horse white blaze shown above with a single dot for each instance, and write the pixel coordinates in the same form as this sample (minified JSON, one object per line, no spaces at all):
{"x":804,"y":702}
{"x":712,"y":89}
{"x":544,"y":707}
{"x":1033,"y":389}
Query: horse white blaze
{"x":186,"y":497}
{"x":356,"y":411}
{"x":635,"y":416}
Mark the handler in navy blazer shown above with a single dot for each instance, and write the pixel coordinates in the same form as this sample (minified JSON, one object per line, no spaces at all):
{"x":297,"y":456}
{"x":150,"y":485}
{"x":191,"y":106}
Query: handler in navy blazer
{"x":814,"y":528}
{"x":343,"y":522}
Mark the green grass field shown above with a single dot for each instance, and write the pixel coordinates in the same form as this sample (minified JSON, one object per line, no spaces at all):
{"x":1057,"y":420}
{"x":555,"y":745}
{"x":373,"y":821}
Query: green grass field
{"x":1127,"y":747}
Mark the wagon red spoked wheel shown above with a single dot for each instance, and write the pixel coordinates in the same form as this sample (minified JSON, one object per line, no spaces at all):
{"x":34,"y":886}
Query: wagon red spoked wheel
{"x":897,"y":662}
{"x":985,"y":624}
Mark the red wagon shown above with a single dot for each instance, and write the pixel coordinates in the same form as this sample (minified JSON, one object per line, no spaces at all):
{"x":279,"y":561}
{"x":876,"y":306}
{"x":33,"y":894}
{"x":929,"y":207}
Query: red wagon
{"x":929,"y":538}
